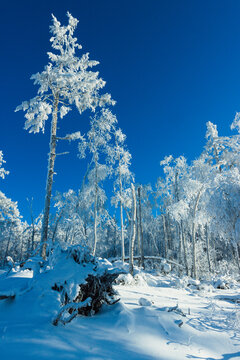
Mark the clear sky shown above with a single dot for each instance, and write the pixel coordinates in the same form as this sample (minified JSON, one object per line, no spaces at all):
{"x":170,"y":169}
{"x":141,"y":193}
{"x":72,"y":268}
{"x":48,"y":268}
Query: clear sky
{"x":170,"y":65}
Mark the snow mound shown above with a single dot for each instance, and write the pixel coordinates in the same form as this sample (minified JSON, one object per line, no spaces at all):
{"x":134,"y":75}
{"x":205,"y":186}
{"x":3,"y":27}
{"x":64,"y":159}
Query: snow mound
{"x":144,"y":302}
{"x":73,"y":282}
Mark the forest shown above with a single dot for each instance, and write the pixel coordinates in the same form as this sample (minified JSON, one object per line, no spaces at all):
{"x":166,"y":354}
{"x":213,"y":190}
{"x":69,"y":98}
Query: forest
{"x":190,"y":216}
{"x":151,"y":270}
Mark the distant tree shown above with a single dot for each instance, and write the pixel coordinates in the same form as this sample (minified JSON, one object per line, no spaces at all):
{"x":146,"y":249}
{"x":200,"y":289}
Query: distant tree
{"x":133,"y":229}
{"x":64,"y":82}
{"x":120,"y":158}
{"x":97,"y":143}
{"x":10,"y":218}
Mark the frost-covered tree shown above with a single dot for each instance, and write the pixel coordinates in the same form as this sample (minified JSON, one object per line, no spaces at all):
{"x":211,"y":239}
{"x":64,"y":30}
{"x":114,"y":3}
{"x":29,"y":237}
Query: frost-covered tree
{"x":97,"y":143}
{"x":169,"y":195}
{"x":65,"y":82}
{"x":10,"y":220}
{"x":120,"y":158}
{"x":71,"y":222}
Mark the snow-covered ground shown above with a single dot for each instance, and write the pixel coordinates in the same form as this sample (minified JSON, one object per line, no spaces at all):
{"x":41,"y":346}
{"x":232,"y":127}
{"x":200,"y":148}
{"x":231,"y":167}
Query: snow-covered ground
{"x":158,"y":317}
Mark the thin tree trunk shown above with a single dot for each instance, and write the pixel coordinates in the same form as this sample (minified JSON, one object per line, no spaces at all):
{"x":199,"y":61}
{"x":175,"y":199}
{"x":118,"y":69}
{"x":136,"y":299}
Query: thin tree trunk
{"x":194,"y":274}
{"x":67,"y":234}
{"x":32,"y":239}
{"x":235,"y":245}
{"x":138,"y":232}
{"x":154,"y":244}
{"x":238,"y":257}
{"x":165,"y":237}
{"x":115,"y":240}
{"x":208,"y":253}
{"x":51,"y":161}
{"x":121,"y":218}
{"x":56,"y":225}
{"x":8,"y":243}
{"x":21,"y":251}
{"x":85,"y":228}
{"x":140,"y":228}
{"x":95,"y":210}
{"x":133,"y":234}
{"x":215,"y":252}
{"x":180,"y":244}
{"x":169,"y":232}
{"x":184,"y":248}
{"x":29,"y":252}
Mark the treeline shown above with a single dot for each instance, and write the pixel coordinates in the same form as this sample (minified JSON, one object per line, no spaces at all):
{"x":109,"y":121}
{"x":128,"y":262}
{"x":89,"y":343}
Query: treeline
{"x":191,"y":214}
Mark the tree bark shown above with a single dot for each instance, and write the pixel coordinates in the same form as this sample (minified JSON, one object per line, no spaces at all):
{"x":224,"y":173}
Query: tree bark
{"x":8,"y":243}
{"x":140,"y":228}
{"x":95,"y":210}
{"x":121,"y":217}
{"x":133,"y":234}
{"x":51,"y":162}
{"x":194,"y":274}
{"x":208,"y":253}
{"x":165,"y":237}
{"x":56,"y":225}
{"x":184,"y":249}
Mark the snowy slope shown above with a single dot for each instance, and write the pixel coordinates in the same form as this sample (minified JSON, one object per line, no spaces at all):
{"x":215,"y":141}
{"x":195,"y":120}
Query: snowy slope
{"x":139,"y":327}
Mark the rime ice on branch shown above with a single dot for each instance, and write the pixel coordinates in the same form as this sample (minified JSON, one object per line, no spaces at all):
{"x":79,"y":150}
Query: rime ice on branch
{"x":3,"y":172}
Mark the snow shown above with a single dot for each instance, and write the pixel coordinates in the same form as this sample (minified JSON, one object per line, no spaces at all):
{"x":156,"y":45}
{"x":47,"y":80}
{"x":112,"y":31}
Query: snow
{"x":156,"y":321}
{"x":144,"y":302}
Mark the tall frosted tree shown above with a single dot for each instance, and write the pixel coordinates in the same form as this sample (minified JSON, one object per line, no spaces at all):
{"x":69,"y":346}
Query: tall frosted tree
{"x":66,"y":82}
{"x":97,"y":143}
{"x":120,"y":158}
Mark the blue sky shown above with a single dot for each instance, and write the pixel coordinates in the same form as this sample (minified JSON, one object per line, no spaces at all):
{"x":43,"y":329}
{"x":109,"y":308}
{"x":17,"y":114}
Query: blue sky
{"x":170,"y":65}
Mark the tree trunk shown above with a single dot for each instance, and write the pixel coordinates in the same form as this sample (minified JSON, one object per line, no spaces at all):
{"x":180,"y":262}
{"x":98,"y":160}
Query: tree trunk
{"x":121,"y":216}
{"x":140,"y":228}
{"x":51,"y":161}
{"x":7,"y":247}
{"x":180,"y":243}
{"x":95,"y":209}
{"x":138,"y":232}
{"x":208,"y":253}
{"x":238,"y":257}
{"x":235,"y":244}
{"x":194,"y":271}
{"x":29,"y":252}
{"x":184,"y":249}
{"x":165,"y":238}
{"x":56,"y":226}
{"x":133,"y":234}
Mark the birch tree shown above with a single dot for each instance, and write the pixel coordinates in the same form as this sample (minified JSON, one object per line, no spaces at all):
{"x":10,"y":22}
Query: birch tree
{"x":120,"y":158}
{"x":66,"y":82}
{"x":133,"y":229}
